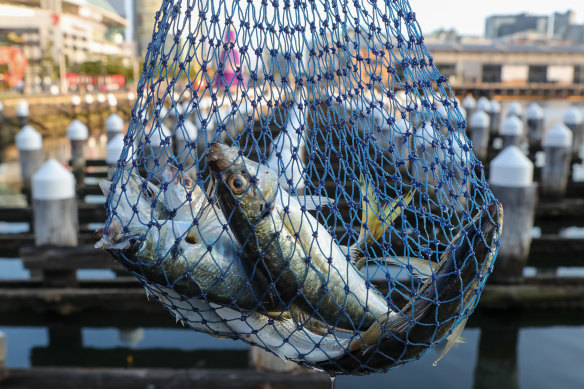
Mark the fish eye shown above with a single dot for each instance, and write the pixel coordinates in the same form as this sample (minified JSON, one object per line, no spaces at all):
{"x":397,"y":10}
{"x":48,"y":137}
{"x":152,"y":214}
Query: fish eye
{"x":238,"y":183}
{"x":189,"y":183}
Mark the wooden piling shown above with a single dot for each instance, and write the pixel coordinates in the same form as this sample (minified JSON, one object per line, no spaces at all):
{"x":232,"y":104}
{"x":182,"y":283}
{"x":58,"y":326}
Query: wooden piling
{"x":2,"y":351}
{"x":22,"y":112}
{"x":78,"y":133}
{"x":511,"y":180}
{"x":512,"y":132}
{"x":29,"y":143}
{"x":575,"y":122}
{"x":558,"y":153}
{"x":535,"y":126}
{"x":114,"y":125}
{"x":479,"y":134}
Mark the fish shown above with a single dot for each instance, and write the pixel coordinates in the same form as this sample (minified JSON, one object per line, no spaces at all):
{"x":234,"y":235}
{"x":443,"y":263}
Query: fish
{"x":163,"y":277}
{"x":438,"y":311}
{"x":295,"y":252}
{"x":134,"y":202}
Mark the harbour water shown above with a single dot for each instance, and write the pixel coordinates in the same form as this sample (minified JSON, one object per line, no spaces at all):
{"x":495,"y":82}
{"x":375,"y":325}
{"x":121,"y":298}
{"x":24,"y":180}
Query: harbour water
{"x":502,"y":349}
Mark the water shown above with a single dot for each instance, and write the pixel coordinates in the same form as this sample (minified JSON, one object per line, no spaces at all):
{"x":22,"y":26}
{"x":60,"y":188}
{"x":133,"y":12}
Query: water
{"x":524,"y":350}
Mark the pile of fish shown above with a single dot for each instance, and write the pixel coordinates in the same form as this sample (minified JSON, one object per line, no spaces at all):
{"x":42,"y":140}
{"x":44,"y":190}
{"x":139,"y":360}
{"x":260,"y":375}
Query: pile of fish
{"x":246,"y":260}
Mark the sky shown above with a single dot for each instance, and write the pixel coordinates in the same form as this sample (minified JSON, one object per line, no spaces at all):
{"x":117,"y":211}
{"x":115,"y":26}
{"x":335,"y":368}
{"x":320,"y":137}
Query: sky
{"x":468,"y":16}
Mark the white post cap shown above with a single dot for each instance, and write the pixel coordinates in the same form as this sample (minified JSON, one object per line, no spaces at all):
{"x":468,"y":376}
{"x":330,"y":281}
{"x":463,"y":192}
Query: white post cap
{"x":22,"y":109}
{"x":89,"y":99}
{"x":484,"y":104}
{"x":1,"y":107}
{"x":469,"y":103}
{"x":28,"y":139}
{"x":534,"y":111}
{"x":511,"y":168}
{"x":114,"y":123}
{"x":53,"y":182}
{"x":114,"y":149}
{"x":558,"y":136}
{"x":515,"y":108}
{"x":573,"y":116}
{"x":75,"y":100}
{"x":131,"y":96}
{"x":77,"y":131}
{"x":512,"y":126}
{"x":480,"y":119}
{"x":495,"y":106}
{"x":187,"y":131}
{"x":157,"y":134}
{"x":101,"y":98}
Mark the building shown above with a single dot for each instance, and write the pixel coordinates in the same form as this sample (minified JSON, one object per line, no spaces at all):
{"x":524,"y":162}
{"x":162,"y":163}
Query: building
{"x":509,"y":64}
{"x":499,"y":26}
{"x":144,"y":18}
{"x":58,"y":35}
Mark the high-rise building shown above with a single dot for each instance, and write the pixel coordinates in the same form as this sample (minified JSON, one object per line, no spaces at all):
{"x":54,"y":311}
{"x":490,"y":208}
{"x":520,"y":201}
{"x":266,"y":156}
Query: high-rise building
{"x":144,"y":13}
{"x":498,"y":26}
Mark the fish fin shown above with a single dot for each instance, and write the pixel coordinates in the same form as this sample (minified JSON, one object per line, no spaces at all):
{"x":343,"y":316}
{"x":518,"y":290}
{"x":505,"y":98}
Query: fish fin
{"x":374,"y":217}
{"x":278,"y":315}
{"x":105,"y":187}
{"x":421,"y":268}
{"x":312,"y":202}
{"x":451,"y":340}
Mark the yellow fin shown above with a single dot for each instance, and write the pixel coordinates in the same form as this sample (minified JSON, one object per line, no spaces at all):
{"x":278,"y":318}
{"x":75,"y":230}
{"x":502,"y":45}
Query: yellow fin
{"x":374,"y":217}
{"x":452,"y":339}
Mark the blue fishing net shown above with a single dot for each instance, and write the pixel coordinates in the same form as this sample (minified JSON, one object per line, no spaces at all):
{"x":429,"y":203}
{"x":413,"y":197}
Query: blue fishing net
{"x":296,"y":175}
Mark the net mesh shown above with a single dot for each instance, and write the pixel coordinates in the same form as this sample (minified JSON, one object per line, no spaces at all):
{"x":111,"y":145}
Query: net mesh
{"x":296,"y":175}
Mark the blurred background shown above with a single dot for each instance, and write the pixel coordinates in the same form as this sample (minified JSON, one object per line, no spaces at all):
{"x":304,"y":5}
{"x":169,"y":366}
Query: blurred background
{"x":70,"y":67}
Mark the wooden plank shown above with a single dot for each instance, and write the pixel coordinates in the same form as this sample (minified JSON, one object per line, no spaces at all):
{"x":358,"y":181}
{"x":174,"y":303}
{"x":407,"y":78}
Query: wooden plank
{"x":88,"y":213}
{"x":67,"y":258}
{"x":65,"y":378}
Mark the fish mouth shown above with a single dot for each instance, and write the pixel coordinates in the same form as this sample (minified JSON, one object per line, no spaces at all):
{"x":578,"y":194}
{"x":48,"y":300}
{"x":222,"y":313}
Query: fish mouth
{"x":220,"y":157}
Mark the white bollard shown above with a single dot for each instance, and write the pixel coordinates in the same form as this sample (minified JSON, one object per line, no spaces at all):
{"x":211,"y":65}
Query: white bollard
{"x":29,"y":143}
{"x":494,"y":112}
{"x":114,"y":125}
{"x":484,"y":104}
{"x":78,"y":133}
{"x":479,"y":134}
{"x":558,"y":155}
{"x":574,"y":120}
{"x":515,"y":109}
{"x":535,"y":126}
{"x":469,"y":104}
{"x":89,"y":99}
{"x":512,"y":132}
{"x":22,"y":112}
{"x":113,"y":153}
{"x":54,"y":206}
{"x":1,"y":113}
{"x":511,"y":180}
